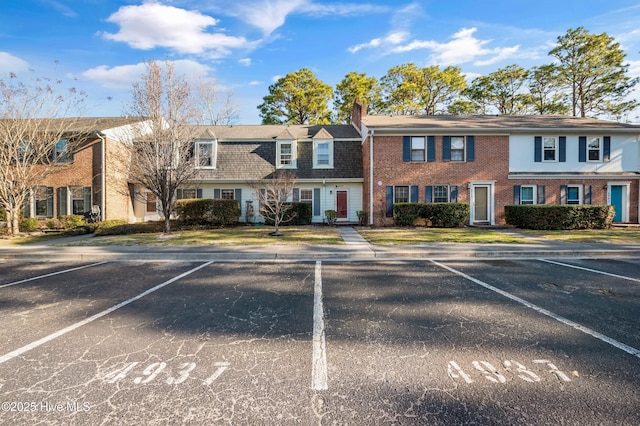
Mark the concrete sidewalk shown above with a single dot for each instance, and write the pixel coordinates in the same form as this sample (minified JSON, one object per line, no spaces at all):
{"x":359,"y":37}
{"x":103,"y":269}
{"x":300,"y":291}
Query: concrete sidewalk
{"x":355,"y":248}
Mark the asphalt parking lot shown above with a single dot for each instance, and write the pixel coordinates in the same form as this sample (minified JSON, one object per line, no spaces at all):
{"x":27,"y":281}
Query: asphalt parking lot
{"x":509,"y":341}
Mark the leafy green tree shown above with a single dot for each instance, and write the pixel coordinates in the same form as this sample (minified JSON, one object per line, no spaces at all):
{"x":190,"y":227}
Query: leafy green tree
{"x":408,"y":89}
{"x":591,"y":65}
{"x":297,"y":98}
{"x":502,"y":90}
{"x":463,"y":107}
{"x":546,"y":91}
{"x":356,"y":86}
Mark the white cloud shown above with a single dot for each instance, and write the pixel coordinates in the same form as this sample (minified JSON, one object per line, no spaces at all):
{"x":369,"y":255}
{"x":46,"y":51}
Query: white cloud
{"x":10,"y":63}
{"x":391,"y":40}
{"x":255,"y":83}
{"x":124,"y":76}
{"x":153,"y":25}
{"x":245,"y":61}
{"x":463,"y":47}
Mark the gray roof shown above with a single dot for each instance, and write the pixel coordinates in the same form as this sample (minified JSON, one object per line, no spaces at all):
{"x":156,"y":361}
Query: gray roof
{"x":267,"y":132}
{"x":87,"y":124}
{"x":492,"y":122}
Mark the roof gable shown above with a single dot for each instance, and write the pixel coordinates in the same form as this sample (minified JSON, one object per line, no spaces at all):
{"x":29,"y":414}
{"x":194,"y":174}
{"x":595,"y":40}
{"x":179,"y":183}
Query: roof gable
{"x":323,"y":134}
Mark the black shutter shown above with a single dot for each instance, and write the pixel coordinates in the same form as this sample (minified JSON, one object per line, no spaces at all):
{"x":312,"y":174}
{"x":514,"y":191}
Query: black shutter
{"x":62,"y":201}
{"x":198,"y":192}
{"x":587,"y":194}
{"x":541,"y":196}
{"x":431,"y":148}
{"x":50,"y":200}
{"x":563,"y":194}
{"x":389,"y":201}
{"x":446,"y":148}
{"x":237,"y":195}
{"x":26,"y":205}
{"x":406,"y":148}
{"x":582,"y":149}
{"x":179,"y":195}
{"x":414,"y":193}
{"x":563,"y":149}
{"x":216,"y":194}
{"x":296,"y":195}
{"x":516,"y":194}
{"x":471,"y":148}
{"x":537,"y":149}
{"x":606,"y":151}
{"x":87,"y":198}
{"x":428,"y":194}
{"x":316,"y":201}
{"x":454,"y":194}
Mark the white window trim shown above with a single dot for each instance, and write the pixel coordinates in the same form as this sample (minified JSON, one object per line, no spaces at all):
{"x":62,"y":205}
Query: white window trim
{"x":580,"y":197}
{"x":534,"y":193}
{"x":315,"y":154}
{"x":424,"y":148}
{"x":433,"y":194}
{"x":556,"y":149}
{"x":294,"y":154}
{"x":408,"y":193}
{"x":214,"y":153}
{"x":464,"y":149}
{"x":600,"y":149}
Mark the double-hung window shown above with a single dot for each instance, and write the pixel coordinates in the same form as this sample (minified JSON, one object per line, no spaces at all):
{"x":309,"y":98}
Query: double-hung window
{"x":323,"y":154}
{"x":418,"y":148}
{"x":80,"y":200}
{"x":62,"y":152}
{"x":574,"y":195}
{"x":41,"y":197}
{"x":227,"y":194}
{"x":549,"y":149}
{"x":457,"y":148}
{"x":205,"y":154}
{"x":401,"y":194}
{"x":286,"y":154}
{"x":594,"y":149}
{"x":527,"y":194}
{"x":441,"y":193}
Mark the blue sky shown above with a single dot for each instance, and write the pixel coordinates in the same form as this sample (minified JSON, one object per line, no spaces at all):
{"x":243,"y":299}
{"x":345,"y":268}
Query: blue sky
{"x":245,"y":45}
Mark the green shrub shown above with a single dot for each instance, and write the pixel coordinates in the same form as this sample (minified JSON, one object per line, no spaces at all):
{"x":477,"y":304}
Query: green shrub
{"x":406,"y":214}
{"x":362,"y":217}
{"x":3,"y":215}
{"x":331,"y":216}
{"x":28,"y":224}
{"x":71,"y":221}
{"x":556,"y":217}
{"x":130,"y":228}
{"x":446,"y":215}
{"x":208,"y":211}
{"x":298,"y":214}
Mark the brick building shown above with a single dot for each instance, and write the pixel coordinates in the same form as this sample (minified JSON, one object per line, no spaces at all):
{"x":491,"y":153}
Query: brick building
{"x":494,"y":161}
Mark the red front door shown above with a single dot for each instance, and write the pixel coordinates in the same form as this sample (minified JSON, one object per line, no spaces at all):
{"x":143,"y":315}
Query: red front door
{"x":341,"y":204}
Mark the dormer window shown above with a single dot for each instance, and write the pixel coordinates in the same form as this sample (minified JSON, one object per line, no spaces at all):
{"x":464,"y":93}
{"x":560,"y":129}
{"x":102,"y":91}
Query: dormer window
{"x":286,"y":154}
{"x":323,"y":154}
{"x":205,"y":152}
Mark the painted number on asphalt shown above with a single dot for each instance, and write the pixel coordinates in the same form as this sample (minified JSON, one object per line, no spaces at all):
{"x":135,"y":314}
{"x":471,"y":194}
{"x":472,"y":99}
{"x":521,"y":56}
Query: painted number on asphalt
{"x":492,"y":374}
{"x":178,"y":375}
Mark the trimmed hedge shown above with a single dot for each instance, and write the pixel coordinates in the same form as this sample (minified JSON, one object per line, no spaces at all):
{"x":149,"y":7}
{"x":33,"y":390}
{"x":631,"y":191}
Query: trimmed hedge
{"x":440,"y":215}
{"x":555,"y":217}
{"x":303,"y":215}
{"x":208,"y":211}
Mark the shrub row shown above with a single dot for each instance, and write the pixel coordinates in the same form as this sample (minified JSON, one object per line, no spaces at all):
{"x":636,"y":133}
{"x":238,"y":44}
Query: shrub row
{"x":208,"y":211}
{"x":298,"y":214}
{"x":551,"y":217}
{"x":439,"y":215}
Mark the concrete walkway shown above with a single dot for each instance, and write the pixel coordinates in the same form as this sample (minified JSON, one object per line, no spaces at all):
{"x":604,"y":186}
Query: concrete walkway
{"x":351,"y":237}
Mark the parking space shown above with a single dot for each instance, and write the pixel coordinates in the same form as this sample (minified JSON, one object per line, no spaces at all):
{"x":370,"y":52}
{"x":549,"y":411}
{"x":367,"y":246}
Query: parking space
{"x":395,"y":342}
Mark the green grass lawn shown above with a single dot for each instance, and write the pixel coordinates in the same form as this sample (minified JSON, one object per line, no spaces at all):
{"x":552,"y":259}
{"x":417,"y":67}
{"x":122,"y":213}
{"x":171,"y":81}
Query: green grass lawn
{"x":420,"y":235}
{"x":241,"y":235}
{"x":613,"y":235}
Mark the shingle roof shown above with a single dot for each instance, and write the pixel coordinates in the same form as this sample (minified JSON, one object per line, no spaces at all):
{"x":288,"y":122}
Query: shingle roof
{"x":490,"y":122}
{"x":88,"y":124}
{"x":266,"y":132}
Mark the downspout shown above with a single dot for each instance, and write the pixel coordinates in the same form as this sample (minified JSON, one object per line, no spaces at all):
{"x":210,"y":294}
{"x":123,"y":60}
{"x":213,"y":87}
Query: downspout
{"x":103,"y":179}
{"x":371,"y":177}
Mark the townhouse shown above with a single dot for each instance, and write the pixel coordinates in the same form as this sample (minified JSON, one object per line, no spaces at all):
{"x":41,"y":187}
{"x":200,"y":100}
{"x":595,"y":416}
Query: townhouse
{"x":494,"y":161}
{"x":89,"y":177}
{"x":325,"y":161}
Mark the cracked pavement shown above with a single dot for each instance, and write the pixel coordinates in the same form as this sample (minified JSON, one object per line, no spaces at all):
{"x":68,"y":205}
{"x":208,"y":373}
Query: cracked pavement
{"x":407,"y":342}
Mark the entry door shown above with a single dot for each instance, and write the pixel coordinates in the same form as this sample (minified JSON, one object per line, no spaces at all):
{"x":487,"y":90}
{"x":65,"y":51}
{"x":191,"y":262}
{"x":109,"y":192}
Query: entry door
{"x":342,"y":204}
{"x":617,"y":201}
{"x":481,"y":204}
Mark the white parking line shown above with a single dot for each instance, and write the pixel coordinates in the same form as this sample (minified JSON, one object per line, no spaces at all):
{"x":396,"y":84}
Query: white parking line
{"x":589,"y":270}
{"x":86,"y":321}
{"x":628,"y":349}
{"x":51,"y":274}
{"x":319,"y":366}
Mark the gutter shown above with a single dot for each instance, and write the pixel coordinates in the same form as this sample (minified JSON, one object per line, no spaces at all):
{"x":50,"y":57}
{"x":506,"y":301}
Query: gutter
{"x":103,"y":179}
{"x":371,"y":177}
